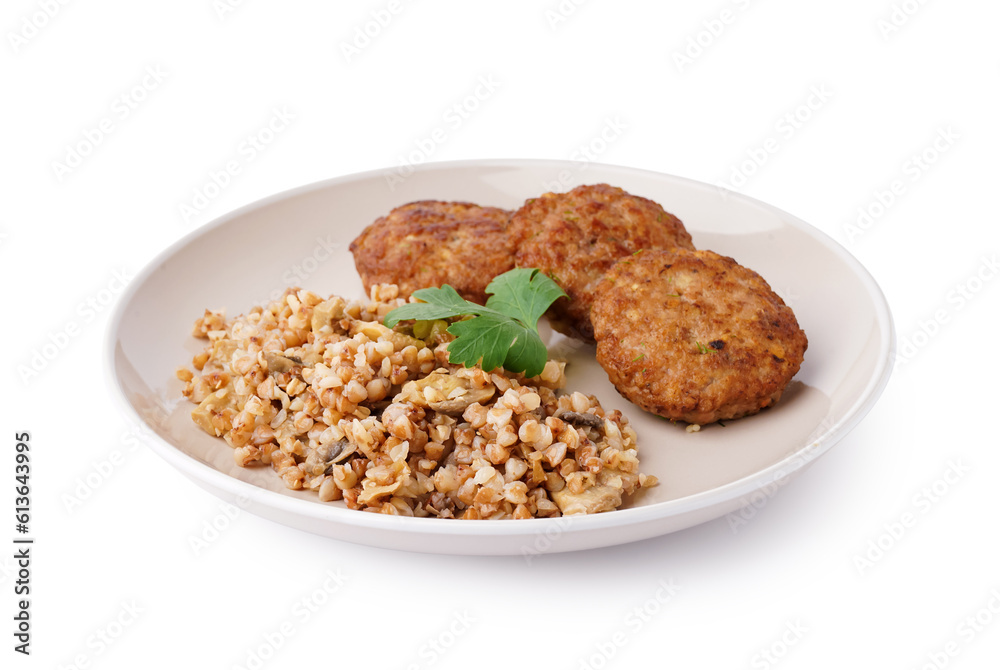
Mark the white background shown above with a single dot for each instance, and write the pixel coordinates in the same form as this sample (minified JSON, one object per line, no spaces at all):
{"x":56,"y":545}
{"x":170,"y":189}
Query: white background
{"x":803,"y":580}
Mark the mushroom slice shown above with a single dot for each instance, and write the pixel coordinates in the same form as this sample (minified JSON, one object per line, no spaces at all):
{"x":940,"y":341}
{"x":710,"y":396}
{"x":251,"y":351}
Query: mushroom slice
{"x":444,"y":393}
{"x":340,"y":451}
{"x":326,"y":312}
{"x":322,"y":459}
{"x":279,"y":362}
{"x":394,"y":475}
{"x":581,"y":419}
{"x":595,"y":499}
{"x":213,"y":404}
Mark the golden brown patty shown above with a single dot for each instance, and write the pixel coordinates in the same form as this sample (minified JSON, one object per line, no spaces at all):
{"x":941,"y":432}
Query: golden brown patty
{"x":430,"y":243}
{"x":694,"y":336}
{"x":575,"y":238}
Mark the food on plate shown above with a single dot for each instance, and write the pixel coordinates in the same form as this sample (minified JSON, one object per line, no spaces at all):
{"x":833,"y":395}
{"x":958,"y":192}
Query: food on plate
{"x":575,"y":237}
{"x":336,"y":402}
{"x":431,"y":243}
{"x":447,"y":405}
{"x":694,"y":336}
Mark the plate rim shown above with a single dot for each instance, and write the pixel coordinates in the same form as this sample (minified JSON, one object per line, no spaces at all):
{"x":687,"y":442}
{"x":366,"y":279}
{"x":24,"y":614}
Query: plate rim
{"x":790,"y":465}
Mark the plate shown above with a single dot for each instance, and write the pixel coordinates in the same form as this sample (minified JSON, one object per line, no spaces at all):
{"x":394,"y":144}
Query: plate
{"x":301,"y":237}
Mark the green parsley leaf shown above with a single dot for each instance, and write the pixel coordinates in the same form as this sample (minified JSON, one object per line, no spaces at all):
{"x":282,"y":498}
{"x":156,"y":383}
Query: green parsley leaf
{"x":438,"y":303}
{"x":494,"y":341}
{"x":524,"y":294}
{"x":502,"y":333}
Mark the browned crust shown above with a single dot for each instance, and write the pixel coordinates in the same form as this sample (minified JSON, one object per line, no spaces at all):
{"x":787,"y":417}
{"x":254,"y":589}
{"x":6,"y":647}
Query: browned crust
{"x":576,"y":237}
{"x":430,"y":243}
{"x":694,"y":336}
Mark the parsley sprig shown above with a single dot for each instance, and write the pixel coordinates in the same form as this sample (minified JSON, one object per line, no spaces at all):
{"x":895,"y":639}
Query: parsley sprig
{"x":504,"y":332}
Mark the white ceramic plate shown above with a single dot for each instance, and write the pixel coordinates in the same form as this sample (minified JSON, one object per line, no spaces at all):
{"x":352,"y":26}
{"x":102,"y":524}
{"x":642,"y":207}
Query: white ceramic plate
{"x":301,"y":237}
